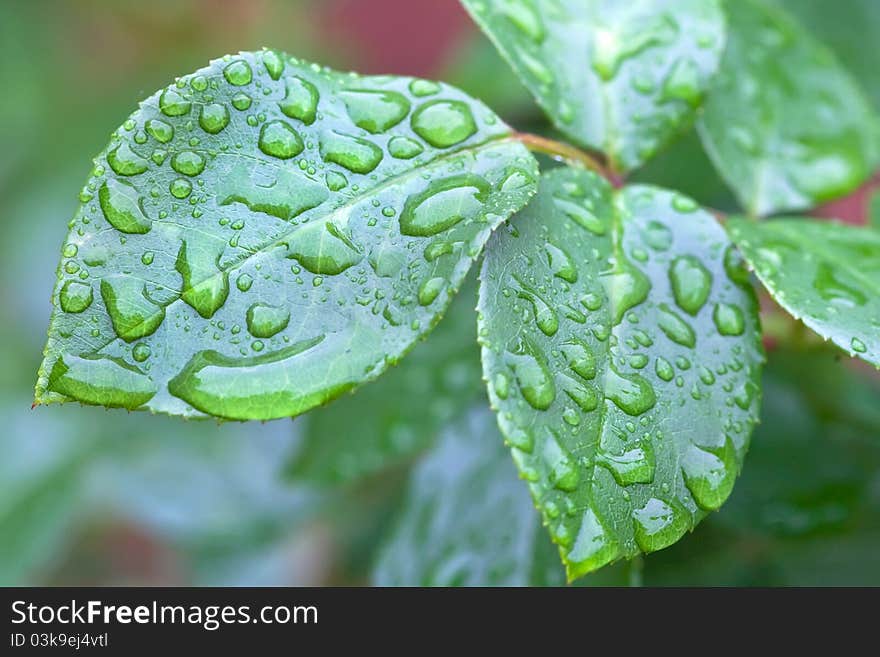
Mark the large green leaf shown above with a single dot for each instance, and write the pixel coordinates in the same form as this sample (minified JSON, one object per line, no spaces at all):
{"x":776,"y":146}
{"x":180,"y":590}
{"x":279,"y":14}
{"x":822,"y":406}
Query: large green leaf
{"x":824,"y":273}
{"x":467,"y":520}
{"x":785,"y":124}
{"x":400,"y":415}
{"x":621,"y":344}
{"x":266,"y":234}
{"x":620,"y":76}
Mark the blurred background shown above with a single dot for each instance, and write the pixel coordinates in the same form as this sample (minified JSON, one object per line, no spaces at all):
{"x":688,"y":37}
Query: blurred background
{"x":89,"y":496}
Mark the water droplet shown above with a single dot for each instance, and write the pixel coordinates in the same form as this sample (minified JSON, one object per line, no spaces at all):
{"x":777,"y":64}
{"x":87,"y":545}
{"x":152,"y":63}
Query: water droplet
{"x":147,"y":258}
{"x":591,"y":301}
{"x":287,"y":196}
{"x":735,"y":266}
{"x":635,"y":466}
{"x":525,"y":17}
{"x":375,"y":111}
{"x":241,"y":101}
{"x":626,"y":287}
{"x":274,"y":63}
{"x":141,"y":352}
{"x":691,"y":283}
{"x":159,"y":130}
{"x":214,"y":118}
{"x":663,"y":369}
{"x":238,"y":73}
{"x":534,"y":379}
{"x":729,"y":320}
{"x":323,"y":247}
{"x":710,"y":474}
{"x":561,"y":263}
{"x":205,"y":286}
{"x":683,"y":204}
{"x":580,"y":358}
{"x":536,"y":67}
{"x":444,"y":203}
{"x":122,"y":207}
{"x":133,"y":314}
{"x":683,"y":83}
{"x":75,"y":297}
{"x":658,"y":525}
{"x":437,"y":249}
{"x":69,"y":250}
{"x":300,"y":101}
{"x":404,"y":148}
{"x":421,"y":88}
{"x":278,"y":139}
{"x":180,"y":188}
{"x":258,"y":387}
{"x":858,"y":346}
{"x":592,"y":548}
{"x":429,"y":290}
{"x":632,"y":393}
{"x":173,"y":104}
{"x":188,"y":163}
{"x":355,"y":154}
{"x":444,"y":123}
{"x":265,"y":320}
{"x":501,"y":386}
{"x":675,"y":328}
{"x":564,"y":472}
{"x":101,"y":380}
{"x":585,"y":397}
{"x":832,"y":289}
{"x":335,"y":181}
{"x":611,"y":48}
{"x":638,"y":361}
{"x":125,"y":161}
{"x":244,"y":282}
{"x":580,"y":215}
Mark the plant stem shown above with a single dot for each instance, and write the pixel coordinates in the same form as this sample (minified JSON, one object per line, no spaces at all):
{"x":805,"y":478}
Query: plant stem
{"x":636,"y":565}
{"x":566,"y":153}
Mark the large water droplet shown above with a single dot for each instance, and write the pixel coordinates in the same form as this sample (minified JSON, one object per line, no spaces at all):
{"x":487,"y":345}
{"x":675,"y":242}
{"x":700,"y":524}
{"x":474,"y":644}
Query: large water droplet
{"x":287,"y":196}
{"x":122,"y":207}
{"x":658,"y":525}
{"x":580,"y":215}
{"x":101,"y":380}
{"x":626,"y":287}
{"x":159,"y":130}
{"x":675,"y":328}
{"x":658,"y":236}
{"x":354,"y":153}
{"x":404,"y":148}
{"x":188,"y":163}
{"x":375,"y":111}
{"x":632,"y":393}
{"x":205,"y":286}
{"x":663,"y":369}
{"x":545,"y":316}
{"x":691,"y":283}
{"x":593,"y":547}
{"x":132,"y":313}
{"x":525,"y":17}
{"x":710,"y":474}
{"x":277,"y":139}
{"x":581,"y":358}
{"x":300,"y":101}
{"x":635,"y":466}
{"x":612,"y":48}
{"x":265,"y":320}
{"x":564,"y":473}
{"x":274,"y":63}
{"x":75,"y":296}
{"x":443,"y":204}
{"x":173,"y":104}
{"x":125,"y":161}
{"x":238,"y":73}
{"x":323,"y":247}
{"x":729,"y":320}
{"x":533,"y":378}
{"x":561,"y":263}
{"x":214,"y":118}
{"x":832,"y":289}
{"x":430,"y":289}
{"x":444,"y":123}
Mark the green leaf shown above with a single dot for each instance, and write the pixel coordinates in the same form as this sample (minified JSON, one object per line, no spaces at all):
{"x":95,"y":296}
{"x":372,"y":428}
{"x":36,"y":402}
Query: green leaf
{"x":621,"y":344}
{"x":874,"y":210}
{"x":399,"y":416}
{"x":619,"y":76}
{"x":825,"y":273}
{"x":467,"y":520}
{"x":785,"y":124}
{"x":266,"y":234}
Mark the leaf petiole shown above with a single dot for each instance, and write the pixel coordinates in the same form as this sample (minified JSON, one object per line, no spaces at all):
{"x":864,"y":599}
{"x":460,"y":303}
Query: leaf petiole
{"x":567,"y":153}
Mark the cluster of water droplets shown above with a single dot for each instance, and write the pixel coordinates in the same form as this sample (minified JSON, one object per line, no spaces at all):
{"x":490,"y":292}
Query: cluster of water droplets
{"x":258,"y":190}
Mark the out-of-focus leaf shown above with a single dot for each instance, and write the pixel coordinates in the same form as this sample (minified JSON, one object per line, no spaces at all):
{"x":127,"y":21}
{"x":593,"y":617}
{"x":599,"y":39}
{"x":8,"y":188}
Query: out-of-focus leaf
{"x":785,"y":124}
{"x":619,"y":76}
{"x":806,"y":509}
{"x":850,"y":28}
{"x":621,"y":345}
{"x":251,"y":255}
{"x":825,"y":273}
{"x":467,"y":520}
{"x":394,"y":419}
{"x":874,"y":210}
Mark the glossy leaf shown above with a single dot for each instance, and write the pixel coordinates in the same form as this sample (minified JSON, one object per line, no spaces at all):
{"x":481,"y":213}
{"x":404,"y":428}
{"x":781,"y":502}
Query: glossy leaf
{"x":621,"y":344}
{"x":264,"y":235}
{"x":618,"y":76}
{"x":824,"y":273}
{"x":399,"y":416}
{"x":785,"y":124}
{"x":467,"y":520}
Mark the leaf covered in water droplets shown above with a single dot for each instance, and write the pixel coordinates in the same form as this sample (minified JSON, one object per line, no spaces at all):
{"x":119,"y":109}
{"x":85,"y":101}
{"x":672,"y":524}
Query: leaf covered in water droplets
{"x":621,"y":345}
{"x":824,"y":273}
{"x":619,"y":76}
{"x":266,"y":234}
{"x":785,"y":124}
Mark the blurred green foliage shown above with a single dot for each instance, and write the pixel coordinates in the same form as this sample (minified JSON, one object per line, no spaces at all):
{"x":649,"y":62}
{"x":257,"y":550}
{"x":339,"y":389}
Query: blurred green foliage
{"x":95,"y":497}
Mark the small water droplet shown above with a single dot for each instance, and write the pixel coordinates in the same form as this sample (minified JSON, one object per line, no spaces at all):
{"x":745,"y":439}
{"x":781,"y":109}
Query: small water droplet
{"x":580,"y":215}
{"x":265,"y":320}
{"x":404,"y":148}
{"x":691,"y":283}
{"x":188,"y":163}
{"x":729,"y":320}
{"x":430,"y":289}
